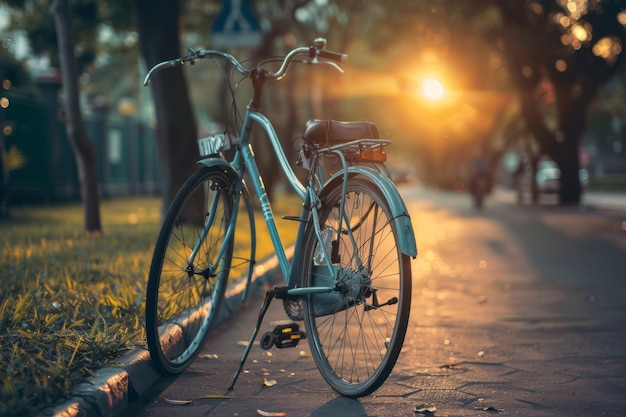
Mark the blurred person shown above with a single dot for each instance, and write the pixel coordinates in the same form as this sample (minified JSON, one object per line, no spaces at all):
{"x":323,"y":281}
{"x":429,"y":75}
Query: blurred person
{"x":480,"y":178}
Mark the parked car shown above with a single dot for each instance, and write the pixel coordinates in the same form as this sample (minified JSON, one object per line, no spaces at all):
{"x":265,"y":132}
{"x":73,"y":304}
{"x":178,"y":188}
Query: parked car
{"x":547,"y":180}
{"x":548,"y":177}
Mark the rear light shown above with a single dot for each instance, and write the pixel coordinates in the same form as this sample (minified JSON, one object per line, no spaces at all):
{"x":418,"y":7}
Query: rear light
{"x":370,"y":155}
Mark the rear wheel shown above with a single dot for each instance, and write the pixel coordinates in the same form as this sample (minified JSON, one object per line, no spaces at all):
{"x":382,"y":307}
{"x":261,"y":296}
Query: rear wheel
{"x":356,"y":332}
{"x":184,"y":293}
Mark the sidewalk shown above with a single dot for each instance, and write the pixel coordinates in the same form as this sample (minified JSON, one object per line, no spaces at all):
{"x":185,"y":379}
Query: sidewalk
{"x":614,"y":201}
{"x":516,"y":311}
{"x":110,"y":392}
{"x":595,"y":199}
{"x":115,"y":387}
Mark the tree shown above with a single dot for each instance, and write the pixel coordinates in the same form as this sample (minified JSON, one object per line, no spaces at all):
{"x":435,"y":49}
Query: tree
{"x":159,"y":34}
{"x":573,"y":49}
{"x":52,"y":35}
{"x":559,"y":54}
{"x":84,"y":151}
{"x":556,"y":54}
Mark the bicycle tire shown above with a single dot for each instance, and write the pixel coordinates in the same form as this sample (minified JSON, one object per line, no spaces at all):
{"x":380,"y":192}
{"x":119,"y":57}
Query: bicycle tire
{"x":355,"y":344}
{"x":182,"y":304}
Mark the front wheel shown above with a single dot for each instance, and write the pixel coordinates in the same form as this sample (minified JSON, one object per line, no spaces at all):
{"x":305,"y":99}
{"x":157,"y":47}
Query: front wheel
{"x":188,"y":274}
{"x":356,"y":332}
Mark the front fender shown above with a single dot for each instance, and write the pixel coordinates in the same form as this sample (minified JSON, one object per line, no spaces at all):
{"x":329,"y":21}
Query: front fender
{"x":221,"y":164}
{"x":401,"y":217}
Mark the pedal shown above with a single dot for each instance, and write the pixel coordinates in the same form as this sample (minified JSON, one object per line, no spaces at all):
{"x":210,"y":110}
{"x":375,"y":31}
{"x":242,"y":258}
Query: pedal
{"x":283,"y":336}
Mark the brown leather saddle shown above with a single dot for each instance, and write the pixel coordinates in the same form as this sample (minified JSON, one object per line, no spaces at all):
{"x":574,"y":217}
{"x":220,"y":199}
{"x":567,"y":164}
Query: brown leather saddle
{"x":333,"y":132}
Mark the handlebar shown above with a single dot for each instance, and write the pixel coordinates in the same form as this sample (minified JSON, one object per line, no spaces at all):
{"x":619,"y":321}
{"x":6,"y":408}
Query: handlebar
{"x":314,"y":53}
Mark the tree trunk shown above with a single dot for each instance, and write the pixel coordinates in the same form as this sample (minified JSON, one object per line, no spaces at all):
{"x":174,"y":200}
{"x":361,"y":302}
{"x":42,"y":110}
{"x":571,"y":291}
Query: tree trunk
{"x":572,"y":113}
{"x":272,"y":106}
{"x":158,"y":27}
{"x":567,"y":159}
{"x":83,"y":149}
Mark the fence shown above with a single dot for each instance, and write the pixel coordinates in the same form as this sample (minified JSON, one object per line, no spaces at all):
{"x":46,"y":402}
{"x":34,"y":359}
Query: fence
{"x":126,"y":150}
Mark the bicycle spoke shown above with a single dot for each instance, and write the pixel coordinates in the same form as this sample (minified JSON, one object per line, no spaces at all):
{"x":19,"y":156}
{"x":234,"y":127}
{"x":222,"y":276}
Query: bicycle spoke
{"x":187,"y":282}
{"x":356,"y":345}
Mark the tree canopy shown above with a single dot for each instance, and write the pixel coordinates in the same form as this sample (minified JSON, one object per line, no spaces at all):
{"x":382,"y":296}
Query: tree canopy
{"x":544,"y":60}
{"x":557,"y":54}
{"x":552,"y":55}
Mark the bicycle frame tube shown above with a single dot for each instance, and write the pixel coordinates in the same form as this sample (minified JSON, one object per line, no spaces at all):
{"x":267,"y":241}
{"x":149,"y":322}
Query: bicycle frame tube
{"x":246,"y":153}
{"x":278,"y":150}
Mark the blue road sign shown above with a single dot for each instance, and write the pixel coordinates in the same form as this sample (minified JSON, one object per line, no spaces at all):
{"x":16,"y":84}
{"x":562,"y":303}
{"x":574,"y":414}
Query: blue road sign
{"x":236,"y":26}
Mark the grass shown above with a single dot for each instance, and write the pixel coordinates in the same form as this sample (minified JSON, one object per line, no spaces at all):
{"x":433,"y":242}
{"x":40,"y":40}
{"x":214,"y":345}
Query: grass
{"x":69,"y":302}
{"x":609,"y":183}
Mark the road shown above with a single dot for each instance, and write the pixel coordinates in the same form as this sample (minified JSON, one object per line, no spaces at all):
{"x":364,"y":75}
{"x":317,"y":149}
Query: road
{"x":517,"y":311}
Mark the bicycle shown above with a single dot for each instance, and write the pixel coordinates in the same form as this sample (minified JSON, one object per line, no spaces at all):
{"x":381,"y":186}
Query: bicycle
{"x":349,"y":280}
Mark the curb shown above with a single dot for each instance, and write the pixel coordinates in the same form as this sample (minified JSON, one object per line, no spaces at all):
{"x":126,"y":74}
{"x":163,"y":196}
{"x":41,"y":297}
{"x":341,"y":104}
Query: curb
{"x":114,"y":387}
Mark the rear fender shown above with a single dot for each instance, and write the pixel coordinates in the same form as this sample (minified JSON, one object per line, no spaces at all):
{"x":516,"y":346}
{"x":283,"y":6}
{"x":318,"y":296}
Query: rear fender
{"x":401,"y":218}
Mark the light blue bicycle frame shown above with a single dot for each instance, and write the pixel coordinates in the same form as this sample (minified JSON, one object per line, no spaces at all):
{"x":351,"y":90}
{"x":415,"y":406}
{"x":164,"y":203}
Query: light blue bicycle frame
{"x":244,"y":156}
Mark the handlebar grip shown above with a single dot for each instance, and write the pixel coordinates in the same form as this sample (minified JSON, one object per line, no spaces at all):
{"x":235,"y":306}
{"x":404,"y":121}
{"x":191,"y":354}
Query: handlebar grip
{"x":334,"y":56}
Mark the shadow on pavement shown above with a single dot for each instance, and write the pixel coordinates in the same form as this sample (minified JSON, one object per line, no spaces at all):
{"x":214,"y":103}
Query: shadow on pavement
{"x":345,"y":407}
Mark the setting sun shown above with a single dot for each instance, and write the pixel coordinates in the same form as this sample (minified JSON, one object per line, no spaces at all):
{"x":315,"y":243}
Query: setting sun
{"x":433,"y":89}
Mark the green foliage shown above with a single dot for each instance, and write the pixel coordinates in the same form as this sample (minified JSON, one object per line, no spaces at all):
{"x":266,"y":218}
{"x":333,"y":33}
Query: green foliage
{"x":16,"y":72}
{"x":34,"y":18}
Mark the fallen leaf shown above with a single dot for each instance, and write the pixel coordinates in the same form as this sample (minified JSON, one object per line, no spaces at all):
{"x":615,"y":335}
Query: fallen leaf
{"x":490,"y":408}
{"x":303,"y":354}
{"x":425,"y":408}
{"x":178,"y":402}
{"x":481,"y":354}
{"x":270,"y":414}
{"x":269,"y":382}
{"x":215,"y":397}
{"x":207,"y":356}
{"x":243,"y":343}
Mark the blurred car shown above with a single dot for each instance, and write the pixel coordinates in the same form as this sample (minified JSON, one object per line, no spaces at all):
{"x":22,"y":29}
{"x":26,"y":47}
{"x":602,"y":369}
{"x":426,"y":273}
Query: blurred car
{"x":547,"y":180}
{"x":548,"y":177}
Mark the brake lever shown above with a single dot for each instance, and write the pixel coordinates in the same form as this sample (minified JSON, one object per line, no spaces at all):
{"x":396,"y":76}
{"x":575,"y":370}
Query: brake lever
{"x":331,"y":63}
{"x":190,"y":57}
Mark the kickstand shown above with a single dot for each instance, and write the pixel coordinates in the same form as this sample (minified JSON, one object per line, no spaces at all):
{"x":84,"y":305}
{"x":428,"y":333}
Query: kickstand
{"x":266,"y":303}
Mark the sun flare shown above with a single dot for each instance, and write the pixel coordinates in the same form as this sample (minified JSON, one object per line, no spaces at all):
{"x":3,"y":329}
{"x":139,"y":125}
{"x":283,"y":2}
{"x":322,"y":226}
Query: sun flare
{"x":433,"y":89}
